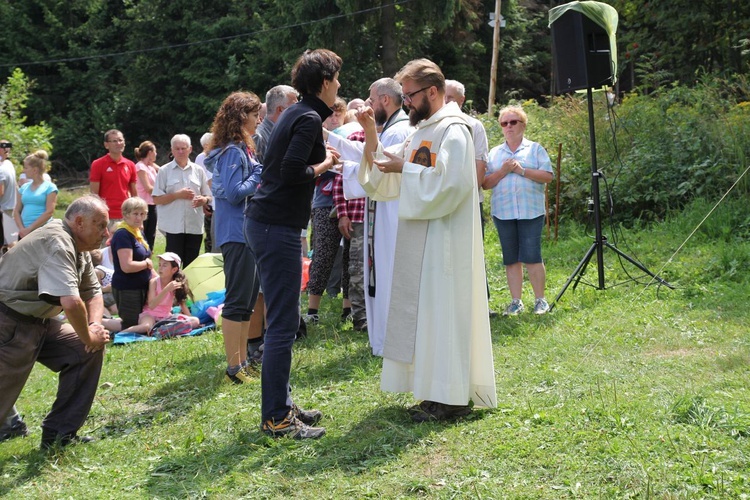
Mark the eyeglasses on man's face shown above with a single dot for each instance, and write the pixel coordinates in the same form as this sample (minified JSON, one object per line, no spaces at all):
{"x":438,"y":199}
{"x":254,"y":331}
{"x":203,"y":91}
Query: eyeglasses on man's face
{"x":407,"y":97}
{"x":370,"y":100}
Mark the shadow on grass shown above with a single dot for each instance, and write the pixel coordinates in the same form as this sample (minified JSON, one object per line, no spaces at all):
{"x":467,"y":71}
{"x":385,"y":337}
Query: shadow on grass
{"x":357,"y":358}
{"x":35,"y":461}
{"x":525,"y":324}
{"x":379,"y":438}
{"x":173,"y":399}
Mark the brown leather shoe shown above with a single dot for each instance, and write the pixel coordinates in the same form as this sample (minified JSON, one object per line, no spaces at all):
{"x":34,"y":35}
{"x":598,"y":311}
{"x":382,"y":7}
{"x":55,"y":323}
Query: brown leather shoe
{"x":430,"y":411}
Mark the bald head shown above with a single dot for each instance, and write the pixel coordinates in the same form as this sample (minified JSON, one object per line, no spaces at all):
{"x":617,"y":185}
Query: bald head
{"x":87,"y":217}
{"x":455,"y":92}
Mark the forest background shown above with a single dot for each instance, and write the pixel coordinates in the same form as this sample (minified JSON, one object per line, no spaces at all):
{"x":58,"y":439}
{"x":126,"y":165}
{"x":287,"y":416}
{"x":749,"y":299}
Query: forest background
{"x":631,"y":392}
{"x":154,"y":68}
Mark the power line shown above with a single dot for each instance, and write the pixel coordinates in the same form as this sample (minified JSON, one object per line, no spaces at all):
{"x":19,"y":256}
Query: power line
{"x":202,"y":42}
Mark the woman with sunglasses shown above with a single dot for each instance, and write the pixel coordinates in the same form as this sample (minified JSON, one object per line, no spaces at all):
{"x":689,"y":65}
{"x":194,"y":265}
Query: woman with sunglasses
{"x":517,"y":171}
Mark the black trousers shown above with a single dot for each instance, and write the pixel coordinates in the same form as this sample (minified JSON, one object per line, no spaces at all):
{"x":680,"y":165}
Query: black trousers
{"x":187,"y":246}
{"x":149,"y":227}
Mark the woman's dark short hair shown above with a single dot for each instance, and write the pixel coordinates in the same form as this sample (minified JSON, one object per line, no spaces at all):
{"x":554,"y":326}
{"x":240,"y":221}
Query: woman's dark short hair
{"x":312,"y":68}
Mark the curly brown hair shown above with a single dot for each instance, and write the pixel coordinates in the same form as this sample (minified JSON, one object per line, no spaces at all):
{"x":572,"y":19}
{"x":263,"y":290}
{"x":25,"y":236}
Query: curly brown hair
{"x":230,"y":119}
{"x":184,"y":293}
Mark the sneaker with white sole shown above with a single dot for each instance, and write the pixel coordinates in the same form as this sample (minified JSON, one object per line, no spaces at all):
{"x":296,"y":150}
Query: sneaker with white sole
{"x":541,"y":306}
{"x":292,"y":427}
{"x":311,"y":319}
{"x":514,"y":308}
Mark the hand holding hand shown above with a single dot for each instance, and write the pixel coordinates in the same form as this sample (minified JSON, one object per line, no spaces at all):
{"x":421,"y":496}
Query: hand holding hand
{"x":332,"y":158}
{"x":199,"y":201}
{"x":98,"y":337}
{"x":185,"y":194}
{"x":508,"y":166}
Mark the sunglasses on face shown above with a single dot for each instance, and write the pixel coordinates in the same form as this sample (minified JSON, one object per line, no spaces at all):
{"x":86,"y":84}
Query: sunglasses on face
{"x":509,"y":122}
{"x":6,"y":145}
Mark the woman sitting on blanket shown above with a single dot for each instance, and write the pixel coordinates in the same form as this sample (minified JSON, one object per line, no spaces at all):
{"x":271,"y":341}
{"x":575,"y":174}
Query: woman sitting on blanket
{"x":168,"y":289}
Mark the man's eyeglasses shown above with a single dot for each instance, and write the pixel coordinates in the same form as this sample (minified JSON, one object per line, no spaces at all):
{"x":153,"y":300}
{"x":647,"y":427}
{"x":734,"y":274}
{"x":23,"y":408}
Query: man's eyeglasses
{"x":407,"y":97}
{"x":5,"y":145}
{"x":509,"y":122}
{"x":369,"y":99}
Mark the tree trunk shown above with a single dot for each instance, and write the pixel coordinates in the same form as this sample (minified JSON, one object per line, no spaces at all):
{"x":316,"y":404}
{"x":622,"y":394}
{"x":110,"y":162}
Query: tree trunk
{"x":389,"y":40}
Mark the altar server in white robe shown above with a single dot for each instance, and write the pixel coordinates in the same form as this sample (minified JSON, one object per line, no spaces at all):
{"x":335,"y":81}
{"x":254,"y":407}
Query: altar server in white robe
{"x":438,"y":343}
{"x":382,"y":216}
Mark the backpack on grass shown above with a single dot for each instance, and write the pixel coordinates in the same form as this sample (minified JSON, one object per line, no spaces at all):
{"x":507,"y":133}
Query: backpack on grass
{"x":173,"y":326}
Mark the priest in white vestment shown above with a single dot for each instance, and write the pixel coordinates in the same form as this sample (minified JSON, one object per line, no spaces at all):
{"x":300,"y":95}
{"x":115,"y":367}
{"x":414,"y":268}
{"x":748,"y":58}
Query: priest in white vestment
{"x":382,"y":216}
{"x":438,"y":343}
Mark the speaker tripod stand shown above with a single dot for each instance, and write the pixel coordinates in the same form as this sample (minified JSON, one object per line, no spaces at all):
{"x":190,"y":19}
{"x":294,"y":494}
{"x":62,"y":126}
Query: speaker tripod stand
{"x":600,"y":241}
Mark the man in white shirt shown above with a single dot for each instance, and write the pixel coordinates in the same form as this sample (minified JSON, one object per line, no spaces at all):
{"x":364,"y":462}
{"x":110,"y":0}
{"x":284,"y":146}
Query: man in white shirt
{"x":7,"y":194}
{"x":180,"y":192}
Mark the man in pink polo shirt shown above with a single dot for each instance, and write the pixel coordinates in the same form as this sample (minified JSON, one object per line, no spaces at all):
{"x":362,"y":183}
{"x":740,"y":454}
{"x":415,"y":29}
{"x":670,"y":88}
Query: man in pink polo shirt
{"x":113,"y":176}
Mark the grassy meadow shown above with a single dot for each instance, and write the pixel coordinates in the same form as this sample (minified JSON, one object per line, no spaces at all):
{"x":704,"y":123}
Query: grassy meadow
{"x":634,"y":391}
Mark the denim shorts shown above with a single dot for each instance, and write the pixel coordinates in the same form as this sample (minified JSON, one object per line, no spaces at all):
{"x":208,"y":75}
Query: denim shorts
{"x":520,"y":239}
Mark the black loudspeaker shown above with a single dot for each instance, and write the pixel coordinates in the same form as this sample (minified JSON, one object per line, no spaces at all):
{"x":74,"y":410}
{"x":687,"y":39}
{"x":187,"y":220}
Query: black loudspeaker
{"x":581,"y":53}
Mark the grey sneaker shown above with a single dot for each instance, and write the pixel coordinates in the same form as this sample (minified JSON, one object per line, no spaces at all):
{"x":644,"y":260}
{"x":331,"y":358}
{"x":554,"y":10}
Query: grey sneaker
{"x":307,"y":417}
{"x":292,"y":427}
{"x":541,"y":306}
{"x":515,"y":307}
{"x":311,"y":319}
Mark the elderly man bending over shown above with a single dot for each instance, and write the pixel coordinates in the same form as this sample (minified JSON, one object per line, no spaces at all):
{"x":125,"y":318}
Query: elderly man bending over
{"x":46,"y":273}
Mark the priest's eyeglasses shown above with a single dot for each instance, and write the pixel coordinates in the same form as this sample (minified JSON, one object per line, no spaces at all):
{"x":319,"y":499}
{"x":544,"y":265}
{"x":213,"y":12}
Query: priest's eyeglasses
{"x":407,"y":97}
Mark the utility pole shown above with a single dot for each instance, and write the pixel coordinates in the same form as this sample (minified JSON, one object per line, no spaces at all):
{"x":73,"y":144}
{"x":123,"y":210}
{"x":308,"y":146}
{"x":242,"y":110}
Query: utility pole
{"x":495,"y":57}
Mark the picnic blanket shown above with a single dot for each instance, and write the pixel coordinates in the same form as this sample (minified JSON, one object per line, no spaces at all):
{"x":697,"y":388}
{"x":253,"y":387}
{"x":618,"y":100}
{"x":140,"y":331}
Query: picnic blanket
{"x":129,"y":338}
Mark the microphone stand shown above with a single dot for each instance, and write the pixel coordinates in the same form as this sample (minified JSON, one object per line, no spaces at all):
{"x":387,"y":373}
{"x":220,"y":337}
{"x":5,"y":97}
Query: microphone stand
{"x":600,"y":241}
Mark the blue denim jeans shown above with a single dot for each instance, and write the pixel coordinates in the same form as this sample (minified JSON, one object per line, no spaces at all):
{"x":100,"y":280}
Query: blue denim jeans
{"x":278,"y":255}
{"x":520,"y":239}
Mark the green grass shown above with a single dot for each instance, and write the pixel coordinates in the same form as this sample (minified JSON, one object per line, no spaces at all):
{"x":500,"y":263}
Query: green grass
{"x":627,"y":392}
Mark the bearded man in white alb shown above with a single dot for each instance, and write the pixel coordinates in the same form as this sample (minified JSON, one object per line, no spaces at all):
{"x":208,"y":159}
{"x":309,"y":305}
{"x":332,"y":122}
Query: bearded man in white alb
{"x":438,"y":342}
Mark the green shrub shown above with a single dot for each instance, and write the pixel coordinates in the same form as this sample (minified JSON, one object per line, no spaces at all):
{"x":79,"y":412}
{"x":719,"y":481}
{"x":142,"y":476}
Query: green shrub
{"x":13,"y":97}
{"x":657,"y":152}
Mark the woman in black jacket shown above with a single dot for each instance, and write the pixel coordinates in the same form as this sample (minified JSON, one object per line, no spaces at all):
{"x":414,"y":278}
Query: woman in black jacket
{"x":280,"y":209}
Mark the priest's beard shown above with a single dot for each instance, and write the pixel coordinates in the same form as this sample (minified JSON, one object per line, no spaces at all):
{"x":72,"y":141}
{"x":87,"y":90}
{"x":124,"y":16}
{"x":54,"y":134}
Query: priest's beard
{"x":419,"y":113}
{"x":380,"y":117}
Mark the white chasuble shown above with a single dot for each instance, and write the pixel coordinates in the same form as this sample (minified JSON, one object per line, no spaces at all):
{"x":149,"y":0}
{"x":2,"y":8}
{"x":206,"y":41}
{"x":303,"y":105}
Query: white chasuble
{"x":438,"y":342}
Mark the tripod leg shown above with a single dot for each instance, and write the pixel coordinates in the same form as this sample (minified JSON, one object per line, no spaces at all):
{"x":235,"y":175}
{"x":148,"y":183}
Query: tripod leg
{"x":638,"y":265}
{"x":576,"y":274}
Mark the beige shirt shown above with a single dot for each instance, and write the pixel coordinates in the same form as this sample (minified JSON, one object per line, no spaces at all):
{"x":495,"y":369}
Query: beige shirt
{"x":44,"y":266}
{"x":179,"y":217}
